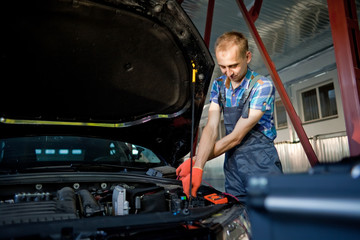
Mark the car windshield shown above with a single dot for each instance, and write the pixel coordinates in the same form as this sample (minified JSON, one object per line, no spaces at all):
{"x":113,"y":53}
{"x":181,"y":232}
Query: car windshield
{"x":46,"y":151}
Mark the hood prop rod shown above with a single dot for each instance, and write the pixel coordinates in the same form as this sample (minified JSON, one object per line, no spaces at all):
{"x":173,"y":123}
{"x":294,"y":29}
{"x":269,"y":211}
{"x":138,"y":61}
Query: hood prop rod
{"x":194,"y":73}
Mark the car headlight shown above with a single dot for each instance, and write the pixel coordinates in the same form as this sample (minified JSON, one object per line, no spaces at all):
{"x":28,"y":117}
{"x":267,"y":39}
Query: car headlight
{"x":239,"y":228}
{"x":235,"y":223}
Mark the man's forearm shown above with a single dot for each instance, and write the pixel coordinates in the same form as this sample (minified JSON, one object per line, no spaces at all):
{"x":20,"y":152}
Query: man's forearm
{"x":229,"y":141}
{"x":243,"y":126}
{"x":206,"y":146}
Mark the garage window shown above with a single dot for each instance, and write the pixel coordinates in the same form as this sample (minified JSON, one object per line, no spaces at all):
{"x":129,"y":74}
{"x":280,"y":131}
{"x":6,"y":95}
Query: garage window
{"x":319,"y":103}
{"x":280,"y":115}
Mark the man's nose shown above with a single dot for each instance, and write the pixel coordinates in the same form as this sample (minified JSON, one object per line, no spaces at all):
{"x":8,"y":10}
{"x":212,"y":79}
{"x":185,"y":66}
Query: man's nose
{"x":229,"y":72}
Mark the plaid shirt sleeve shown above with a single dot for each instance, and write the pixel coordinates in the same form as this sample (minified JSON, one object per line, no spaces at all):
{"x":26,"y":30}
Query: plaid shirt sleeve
{"x":214,"y":94}
{"x":262,"y":96}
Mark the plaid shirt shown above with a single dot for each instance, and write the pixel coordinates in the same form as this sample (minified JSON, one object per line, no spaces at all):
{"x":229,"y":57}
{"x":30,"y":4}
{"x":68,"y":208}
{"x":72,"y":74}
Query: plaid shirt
{"x":262,"y":98}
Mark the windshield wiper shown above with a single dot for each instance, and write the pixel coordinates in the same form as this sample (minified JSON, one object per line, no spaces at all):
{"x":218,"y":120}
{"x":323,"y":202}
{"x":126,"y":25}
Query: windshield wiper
{"x":112,"y":166}
{"x":83,"y":167}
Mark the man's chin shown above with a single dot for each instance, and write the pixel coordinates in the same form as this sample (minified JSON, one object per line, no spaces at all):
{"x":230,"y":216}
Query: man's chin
{"x":236,"y":79}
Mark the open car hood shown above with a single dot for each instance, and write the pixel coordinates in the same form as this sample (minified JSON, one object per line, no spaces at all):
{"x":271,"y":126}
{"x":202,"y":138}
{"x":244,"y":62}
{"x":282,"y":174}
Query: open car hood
{"x":120,"y":69}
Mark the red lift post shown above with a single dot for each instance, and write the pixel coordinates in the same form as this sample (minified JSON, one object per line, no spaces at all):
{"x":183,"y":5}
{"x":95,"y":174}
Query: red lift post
{"x":346,"y":38}
{"x":209,"y":18}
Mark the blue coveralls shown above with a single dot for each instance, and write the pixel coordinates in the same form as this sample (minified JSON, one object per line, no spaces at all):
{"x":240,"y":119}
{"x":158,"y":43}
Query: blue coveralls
{"x":254,"y":156}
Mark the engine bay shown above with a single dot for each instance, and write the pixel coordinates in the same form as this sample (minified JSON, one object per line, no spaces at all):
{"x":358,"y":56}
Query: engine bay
{"x":32,"y":203}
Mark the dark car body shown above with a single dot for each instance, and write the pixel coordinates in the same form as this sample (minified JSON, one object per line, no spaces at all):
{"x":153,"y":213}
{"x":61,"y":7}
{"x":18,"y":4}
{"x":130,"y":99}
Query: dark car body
{"x":101,"y":100}
{"x":323,"y":203}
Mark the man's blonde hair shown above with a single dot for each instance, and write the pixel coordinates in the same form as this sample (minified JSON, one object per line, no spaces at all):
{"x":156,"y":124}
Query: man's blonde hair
{"x":228,"y":39}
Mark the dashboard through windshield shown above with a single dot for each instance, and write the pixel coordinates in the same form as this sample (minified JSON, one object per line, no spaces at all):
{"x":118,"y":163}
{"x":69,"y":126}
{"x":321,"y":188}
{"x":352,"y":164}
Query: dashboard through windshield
{"x":56,"y":150}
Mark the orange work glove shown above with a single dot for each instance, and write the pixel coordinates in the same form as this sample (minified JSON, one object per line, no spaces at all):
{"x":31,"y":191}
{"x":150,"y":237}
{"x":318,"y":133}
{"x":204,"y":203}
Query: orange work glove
{"x":195,"y":183}
{"x":184,"y":169}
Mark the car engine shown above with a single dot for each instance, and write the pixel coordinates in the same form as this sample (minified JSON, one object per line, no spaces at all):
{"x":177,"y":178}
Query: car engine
{"x":85,"y":200}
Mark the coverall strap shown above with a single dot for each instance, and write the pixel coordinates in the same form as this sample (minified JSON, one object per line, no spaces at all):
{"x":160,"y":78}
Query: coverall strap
{"x":252,"y":83}
{"x":245,"y":97}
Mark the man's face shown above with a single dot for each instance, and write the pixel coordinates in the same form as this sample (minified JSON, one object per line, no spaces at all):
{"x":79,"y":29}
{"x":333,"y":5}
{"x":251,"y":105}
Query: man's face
{"x":232,"y":64}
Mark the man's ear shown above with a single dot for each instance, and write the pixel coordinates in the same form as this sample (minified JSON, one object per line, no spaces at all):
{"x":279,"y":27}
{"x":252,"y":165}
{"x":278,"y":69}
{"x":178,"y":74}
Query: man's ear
{"x":248,"y":57}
